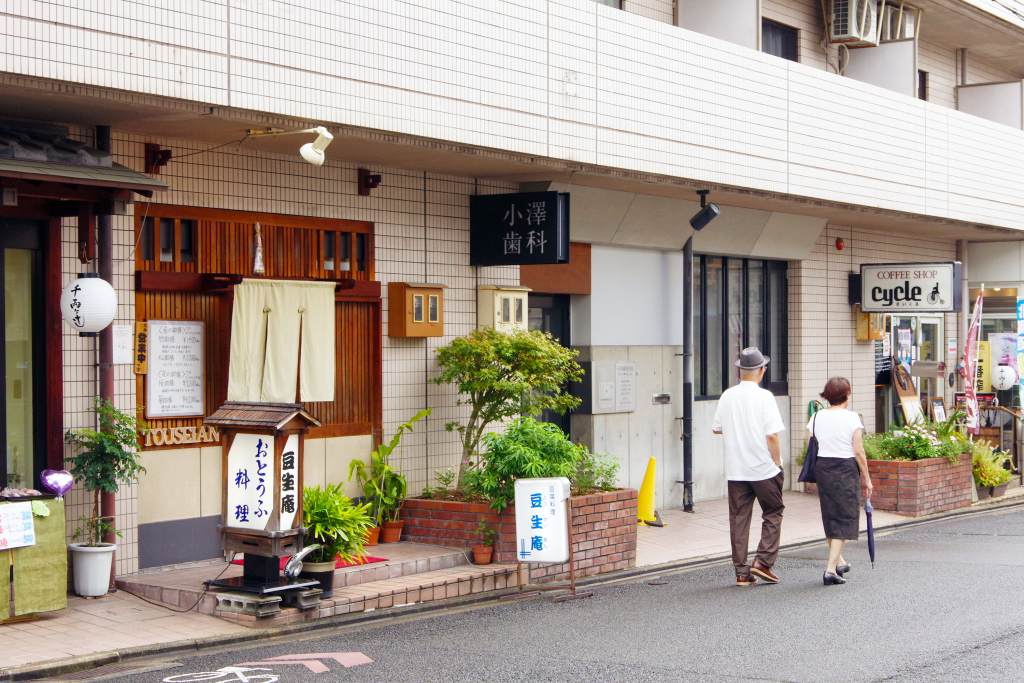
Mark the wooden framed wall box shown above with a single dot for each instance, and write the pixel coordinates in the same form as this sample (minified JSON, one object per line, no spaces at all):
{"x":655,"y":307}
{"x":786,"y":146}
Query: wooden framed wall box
{"x":502,"y":307}
{"x":416,"y":310}
{"x":263,"y":445}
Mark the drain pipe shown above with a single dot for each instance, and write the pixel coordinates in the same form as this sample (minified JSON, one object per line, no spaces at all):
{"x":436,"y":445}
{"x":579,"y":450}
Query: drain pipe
{"x":105,"y":269}
{"x":686,"y":430}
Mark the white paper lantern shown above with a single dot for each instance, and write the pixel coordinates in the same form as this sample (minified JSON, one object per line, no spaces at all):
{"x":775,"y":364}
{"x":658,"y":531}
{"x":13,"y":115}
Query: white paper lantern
{"x":88,"y":304}
{"x":1003,"y":378}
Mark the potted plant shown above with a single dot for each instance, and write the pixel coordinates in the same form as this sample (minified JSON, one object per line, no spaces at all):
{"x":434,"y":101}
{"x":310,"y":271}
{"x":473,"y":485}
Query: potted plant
{"x":105,"y":459}
{"x":337,"y":526}
{"x":482,"y":552}
{"x":384,"y":486}
{"x":990,"y":473}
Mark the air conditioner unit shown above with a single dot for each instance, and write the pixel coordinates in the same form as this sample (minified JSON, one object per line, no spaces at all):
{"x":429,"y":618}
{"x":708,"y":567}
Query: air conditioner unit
{"x":853,"y":22}
{"x":899,"y":23}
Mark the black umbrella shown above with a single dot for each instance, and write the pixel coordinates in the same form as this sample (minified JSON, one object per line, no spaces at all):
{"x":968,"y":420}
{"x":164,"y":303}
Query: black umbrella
{"x":871,"y":531}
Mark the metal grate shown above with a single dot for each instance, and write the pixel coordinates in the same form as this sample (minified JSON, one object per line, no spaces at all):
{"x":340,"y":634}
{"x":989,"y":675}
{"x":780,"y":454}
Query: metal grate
{"x":99,"y":672}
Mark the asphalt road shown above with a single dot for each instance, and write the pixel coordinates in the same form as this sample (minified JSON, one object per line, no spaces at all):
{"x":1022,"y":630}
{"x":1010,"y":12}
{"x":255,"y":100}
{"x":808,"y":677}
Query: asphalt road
{"x":944,"y":603}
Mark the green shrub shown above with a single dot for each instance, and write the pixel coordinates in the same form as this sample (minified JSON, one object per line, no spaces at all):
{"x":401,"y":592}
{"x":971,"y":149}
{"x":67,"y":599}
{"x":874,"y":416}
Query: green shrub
{"x":335,"y":523}
{"x":531,"y":449}
{"x":988,"y":465}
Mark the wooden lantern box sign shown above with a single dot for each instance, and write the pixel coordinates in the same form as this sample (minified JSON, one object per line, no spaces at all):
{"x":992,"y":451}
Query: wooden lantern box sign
{"x":262,"y":487}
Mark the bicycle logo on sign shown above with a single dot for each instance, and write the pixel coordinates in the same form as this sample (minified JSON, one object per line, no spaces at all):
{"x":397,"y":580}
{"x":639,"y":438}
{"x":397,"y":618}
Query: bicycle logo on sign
{"x":226,"y":674}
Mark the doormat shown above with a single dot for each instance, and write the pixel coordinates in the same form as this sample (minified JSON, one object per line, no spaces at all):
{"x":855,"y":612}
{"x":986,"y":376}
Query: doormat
{"x":340,"y":564}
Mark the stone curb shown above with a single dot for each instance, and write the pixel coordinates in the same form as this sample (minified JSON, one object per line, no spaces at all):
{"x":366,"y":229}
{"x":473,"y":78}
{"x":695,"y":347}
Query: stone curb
{"x":58,"y":667}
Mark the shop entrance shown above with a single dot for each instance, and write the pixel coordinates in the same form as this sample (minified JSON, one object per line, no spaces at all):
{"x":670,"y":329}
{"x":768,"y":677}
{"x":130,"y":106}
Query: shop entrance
{"x":550,"y":313}
{"x":22,"y":439}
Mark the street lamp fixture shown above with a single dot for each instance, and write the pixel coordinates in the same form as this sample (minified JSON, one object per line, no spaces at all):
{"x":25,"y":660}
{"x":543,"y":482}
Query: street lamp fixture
{"x":313,"y":152}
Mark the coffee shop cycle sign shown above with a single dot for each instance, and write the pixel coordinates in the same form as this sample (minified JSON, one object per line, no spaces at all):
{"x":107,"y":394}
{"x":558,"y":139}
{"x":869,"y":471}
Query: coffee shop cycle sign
{"x":910,"y":287}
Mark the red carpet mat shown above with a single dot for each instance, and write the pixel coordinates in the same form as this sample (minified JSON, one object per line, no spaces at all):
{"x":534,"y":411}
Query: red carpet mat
{"x":340,"y":564}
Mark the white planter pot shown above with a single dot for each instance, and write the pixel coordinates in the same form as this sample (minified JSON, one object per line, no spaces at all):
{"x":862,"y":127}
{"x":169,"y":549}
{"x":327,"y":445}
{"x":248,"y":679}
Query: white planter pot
{"x":317,"y":567}
{"x":92,"y":568}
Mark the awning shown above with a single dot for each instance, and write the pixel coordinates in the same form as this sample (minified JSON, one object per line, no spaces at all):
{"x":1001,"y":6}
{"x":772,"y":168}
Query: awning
{"x":115,"y":175}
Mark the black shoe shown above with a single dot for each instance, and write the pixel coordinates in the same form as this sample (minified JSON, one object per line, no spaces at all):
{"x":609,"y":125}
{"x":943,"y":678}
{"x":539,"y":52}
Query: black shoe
{"x":842,"y":569}
{"x":831,"y":579}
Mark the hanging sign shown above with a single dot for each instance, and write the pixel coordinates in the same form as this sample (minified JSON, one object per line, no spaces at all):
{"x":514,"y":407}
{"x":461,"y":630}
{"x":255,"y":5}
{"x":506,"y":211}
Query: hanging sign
{"x":141,"y":346}
{"x":910,"y":287}
{"x":174,"y":381}
{"x":17,"y":528}
{"x":542,"y":520}
{"x":525,"y":228}
{"x":250,"y":484}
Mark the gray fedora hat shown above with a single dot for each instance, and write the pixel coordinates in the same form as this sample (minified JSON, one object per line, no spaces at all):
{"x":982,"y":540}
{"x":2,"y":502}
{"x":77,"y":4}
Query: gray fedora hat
{"x":751,"y":358}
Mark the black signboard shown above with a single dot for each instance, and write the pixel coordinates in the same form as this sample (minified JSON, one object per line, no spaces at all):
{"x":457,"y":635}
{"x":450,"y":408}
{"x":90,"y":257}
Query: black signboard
{"x":526,"y":228}
{"x":883,"y":364}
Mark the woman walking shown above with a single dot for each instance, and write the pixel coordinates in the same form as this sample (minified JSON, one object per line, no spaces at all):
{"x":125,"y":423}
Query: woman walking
{"x":840,"y":468}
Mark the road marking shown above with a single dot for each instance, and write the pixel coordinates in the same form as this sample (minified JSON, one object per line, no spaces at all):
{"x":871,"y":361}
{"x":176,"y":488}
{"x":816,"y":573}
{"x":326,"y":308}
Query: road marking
{"x":312,"y":661}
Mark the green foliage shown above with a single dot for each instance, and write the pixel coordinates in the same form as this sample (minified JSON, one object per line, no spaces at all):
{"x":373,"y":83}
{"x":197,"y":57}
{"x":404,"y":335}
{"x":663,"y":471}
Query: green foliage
{"x":989,"y":469}
{"x":597,"y":471}
{"x":487,"y":535}
{"x":105,"y":460}
{"x":919,"y":441}
{"x":533,"y":449}
{"x":504,"y":375}
{"x":382,"y":483}
{"x":335,"y":523}
{"x":444,"y":484}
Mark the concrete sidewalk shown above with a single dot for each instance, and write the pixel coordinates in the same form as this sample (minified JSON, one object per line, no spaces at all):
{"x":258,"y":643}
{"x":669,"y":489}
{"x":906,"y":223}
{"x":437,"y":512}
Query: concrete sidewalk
{"x":126,"y":626}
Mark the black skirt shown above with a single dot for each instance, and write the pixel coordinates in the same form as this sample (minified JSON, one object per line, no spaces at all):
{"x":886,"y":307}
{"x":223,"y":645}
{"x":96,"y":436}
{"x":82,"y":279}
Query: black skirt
{"x":839,"y":494}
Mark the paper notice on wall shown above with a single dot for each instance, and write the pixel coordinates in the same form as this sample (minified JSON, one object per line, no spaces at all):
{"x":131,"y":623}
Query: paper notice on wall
{"x":124,"y":345}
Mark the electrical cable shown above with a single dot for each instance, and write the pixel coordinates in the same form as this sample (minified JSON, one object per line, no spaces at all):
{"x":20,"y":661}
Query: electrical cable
{"x":198,"y":600}
{"x":211,"y":149}
{"x":138,"y":239}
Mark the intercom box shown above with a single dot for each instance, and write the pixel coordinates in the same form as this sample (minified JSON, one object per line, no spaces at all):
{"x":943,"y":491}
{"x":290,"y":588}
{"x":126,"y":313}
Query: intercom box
{"x":415,"y":310}
{"x":502,"y":307}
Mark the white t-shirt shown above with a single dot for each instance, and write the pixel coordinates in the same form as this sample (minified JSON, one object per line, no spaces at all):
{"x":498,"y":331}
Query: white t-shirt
{"x":835,"y":429}
{"x":746,"y":414}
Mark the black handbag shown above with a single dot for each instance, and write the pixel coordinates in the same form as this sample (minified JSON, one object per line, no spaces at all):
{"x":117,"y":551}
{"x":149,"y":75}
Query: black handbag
{"x":809,"y":473}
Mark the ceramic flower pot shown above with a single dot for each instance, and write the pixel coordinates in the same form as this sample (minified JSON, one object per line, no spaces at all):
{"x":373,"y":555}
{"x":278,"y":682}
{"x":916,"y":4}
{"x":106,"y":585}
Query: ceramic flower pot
{"x":482,"y":554}
{"x":984,"y":492}
{"x":999,"y":490}
{"x":372,"y":534}
{"x":323,"y":574}
{"x":393,"y":531}
{"x":91,"y":566}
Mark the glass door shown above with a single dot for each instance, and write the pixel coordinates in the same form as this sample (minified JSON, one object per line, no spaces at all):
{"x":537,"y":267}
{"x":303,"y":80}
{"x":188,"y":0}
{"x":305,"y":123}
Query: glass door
{"x":22,"y":437}
{"x":930,"y":342}
{"x":550,"y":313}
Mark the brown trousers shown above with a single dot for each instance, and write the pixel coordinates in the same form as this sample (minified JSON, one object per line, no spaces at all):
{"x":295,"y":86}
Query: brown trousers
{"x":741,"y":504}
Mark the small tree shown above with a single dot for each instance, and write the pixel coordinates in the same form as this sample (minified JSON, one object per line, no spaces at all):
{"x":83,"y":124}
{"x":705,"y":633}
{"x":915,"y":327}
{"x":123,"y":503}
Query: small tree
{"x":107,"y":458}
{"x":505,"y":375}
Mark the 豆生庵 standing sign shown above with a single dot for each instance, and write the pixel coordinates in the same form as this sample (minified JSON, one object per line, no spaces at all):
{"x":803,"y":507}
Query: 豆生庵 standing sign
{"x":542,"y":520}
{"x":17,"y":529}
{"x":250,"y":483}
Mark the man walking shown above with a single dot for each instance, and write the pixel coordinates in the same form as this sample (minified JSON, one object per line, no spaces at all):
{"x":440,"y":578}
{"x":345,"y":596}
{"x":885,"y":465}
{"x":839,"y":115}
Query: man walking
{"x":749,"y":418}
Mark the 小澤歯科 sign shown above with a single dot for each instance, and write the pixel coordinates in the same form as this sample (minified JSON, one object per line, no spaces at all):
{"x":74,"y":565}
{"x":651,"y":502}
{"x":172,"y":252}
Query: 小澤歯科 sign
{"x":542,"y":520}
{"x":527,"y":228}
{"x":910,"y":288}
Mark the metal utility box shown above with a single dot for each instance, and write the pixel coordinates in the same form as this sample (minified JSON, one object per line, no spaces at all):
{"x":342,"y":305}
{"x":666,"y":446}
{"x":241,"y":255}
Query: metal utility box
{"x":415,"y":310}
{"x":606,"y":387}
{"x":502,"y":307}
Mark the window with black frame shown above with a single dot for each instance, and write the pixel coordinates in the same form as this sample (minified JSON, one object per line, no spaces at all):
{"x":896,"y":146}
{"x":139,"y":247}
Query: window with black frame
{"x":737,"y":303}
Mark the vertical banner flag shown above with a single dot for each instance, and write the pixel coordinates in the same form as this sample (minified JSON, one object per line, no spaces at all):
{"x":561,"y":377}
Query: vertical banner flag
{"x":1020,"y":346}
{"x":968,"y":370}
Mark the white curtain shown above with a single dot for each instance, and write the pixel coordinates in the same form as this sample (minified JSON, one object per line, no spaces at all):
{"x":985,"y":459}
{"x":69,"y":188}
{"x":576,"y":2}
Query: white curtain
{"x":274,"y":324}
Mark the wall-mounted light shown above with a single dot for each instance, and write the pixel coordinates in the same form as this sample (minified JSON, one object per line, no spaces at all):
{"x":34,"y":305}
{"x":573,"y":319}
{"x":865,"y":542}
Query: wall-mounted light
{"x":368,"y":181}
{"x":708,"y":212}
{"x":313,"y":152}
{"x":155,"y":157}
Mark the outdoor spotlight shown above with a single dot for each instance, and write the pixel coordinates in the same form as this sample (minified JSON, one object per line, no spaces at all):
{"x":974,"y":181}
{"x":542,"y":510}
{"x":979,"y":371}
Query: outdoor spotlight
{"x":313,"y":152}
{"x":708,"y":212}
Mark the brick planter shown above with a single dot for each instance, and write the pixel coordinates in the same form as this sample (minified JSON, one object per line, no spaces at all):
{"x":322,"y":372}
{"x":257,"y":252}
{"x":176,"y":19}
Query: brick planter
{"x":919,"y":487}
{"x":604,"y":531}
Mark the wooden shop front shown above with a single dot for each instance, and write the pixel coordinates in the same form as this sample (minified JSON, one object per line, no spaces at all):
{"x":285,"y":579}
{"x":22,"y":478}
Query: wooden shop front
{"x":189,"y":262}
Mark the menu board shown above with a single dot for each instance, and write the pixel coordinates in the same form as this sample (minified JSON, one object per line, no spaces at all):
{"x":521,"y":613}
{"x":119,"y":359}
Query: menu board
{"x":17,"y":529}
{"x":883,"y":364}
{"x":174,"y":377}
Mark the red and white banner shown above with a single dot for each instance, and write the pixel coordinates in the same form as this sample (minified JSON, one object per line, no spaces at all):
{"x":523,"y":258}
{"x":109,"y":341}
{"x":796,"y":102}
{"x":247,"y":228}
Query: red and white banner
{"x":968,"y":370}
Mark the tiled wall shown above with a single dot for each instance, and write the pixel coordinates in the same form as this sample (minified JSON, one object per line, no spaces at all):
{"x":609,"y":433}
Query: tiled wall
{"x":663,"y":100}
{"x":822,"y":324}
{"x":422,"y":233}
{"x":659,"y":10}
